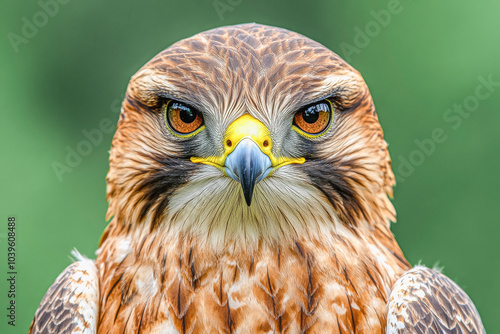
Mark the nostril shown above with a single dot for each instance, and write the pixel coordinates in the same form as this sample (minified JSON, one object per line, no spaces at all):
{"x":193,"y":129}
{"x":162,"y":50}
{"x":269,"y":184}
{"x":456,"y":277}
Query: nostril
{"x":229,"y":143}
{"x":265,"y":143}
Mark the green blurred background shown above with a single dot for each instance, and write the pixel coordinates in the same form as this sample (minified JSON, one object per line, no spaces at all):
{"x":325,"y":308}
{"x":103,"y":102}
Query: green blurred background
{"x":71,"y":72}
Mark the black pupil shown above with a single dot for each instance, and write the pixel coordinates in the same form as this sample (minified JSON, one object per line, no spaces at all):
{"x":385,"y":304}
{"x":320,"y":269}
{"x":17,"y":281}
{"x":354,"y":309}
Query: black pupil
{"x":311,"y":113}
{"x":186,"y":114}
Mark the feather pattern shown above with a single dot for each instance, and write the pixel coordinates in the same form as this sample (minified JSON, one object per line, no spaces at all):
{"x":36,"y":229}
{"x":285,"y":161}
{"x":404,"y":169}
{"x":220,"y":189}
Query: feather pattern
{"x":309,"y":286}
{"x":425,"y":301}
{"x":71,"y":304}
{"x":313,"y":253}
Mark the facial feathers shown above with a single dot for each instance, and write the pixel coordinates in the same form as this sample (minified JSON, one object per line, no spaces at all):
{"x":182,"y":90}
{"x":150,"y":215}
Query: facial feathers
{"x":269,"y":74}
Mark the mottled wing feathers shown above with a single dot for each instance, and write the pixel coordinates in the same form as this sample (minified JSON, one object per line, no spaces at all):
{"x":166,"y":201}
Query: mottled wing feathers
{"x":71,"y":303}
{"x":425,"y":301}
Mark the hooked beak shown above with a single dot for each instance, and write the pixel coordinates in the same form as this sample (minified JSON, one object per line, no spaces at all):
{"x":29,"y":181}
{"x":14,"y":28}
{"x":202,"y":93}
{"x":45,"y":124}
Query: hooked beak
{"x":247,"y":164}
{"x":247,"y":156}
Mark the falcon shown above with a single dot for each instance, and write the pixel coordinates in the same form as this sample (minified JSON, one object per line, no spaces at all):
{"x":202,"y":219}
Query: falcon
{"x":248,"y":193}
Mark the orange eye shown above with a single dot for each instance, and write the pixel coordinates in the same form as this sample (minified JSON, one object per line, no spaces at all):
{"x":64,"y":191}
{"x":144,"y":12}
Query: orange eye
{"x":314,"y":118}
{"x":182,"y":118}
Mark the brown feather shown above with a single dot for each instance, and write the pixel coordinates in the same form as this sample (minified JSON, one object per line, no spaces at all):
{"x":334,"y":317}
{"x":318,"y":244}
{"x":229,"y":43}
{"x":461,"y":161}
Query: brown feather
{"x":333,"y":273}
{"x":313,"y":253}
{"x":71,"y":303}
{"x":429,"y":302}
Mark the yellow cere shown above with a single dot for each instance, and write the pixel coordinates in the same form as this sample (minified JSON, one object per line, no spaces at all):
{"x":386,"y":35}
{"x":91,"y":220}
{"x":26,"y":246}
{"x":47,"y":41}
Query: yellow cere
{"x":247,"y":126}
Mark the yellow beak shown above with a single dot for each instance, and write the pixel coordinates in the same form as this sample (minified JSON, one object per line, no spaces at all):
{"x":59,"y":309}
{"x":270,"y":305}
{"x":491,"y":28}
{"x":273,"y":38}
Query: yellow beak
{"x":247,"y":156}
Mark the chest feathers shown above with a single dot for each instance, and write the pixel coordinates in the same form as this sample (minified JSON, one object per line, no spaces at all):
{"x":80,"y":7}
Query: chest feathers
{"x":152,"y":283}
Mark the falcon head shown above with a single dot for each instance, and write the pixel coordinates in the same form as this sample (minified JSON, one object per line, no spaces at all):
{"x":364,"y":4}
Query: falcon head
{"x":250,"y":133}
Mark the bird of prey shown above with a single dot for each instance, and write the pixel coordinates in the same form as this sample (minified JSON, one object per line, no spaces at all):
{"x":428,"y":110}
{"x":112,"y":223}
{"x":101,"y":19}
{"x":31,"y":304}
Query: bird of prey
{"x":248,"y":193}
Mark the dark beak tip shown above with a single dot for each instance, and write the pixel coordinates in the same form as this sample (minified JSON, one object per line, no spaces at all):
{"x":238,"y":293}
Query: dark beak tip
{"x":245,"y":165}
{"x":248,"y":189}
{"x":248,"y":199}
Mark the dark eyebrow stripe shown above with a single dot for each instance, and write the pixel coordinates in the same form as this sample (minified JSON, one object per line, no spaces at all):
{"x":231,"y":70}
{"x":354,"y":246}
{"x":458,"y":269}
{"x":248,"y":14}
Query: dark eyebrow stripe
{"x":170,"y":96}
{"x":331,"y":94}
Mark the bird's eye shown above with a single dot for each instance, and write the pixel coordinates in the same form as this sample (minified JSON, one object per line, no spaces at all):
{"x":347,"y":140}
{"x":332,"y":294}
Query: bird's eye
{"x":183,"y":119}
{"x":314,"y":119}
